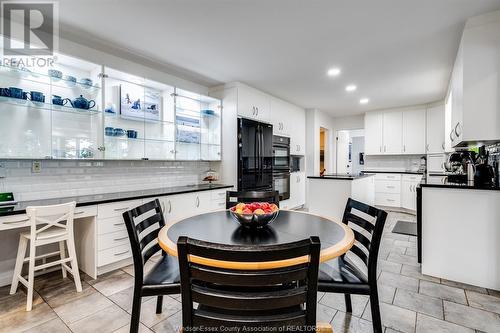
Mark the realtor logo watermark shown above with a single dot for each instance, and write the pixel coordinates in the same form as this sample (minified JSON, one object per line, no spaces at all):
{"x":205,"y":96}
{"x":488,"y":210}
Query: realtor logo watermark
{"x":29,"y":30}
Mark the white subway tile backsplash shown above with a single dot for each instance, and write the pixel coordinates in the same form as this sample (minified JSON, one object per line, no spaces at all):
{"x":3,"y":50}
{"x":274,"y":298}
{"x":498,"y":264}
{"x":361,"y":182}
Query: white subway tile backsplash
{"x":69,"y":178}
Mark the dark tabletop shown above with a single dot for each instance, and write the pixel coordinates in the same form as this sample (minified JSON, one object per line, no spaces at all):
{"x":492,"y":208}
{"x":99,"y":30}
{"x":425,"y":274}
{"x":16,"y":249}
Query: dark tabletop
{"x":407,"y":172}
{"x":289,"y":226}
{"x":442,"y":182}
{"x":87,"y":200}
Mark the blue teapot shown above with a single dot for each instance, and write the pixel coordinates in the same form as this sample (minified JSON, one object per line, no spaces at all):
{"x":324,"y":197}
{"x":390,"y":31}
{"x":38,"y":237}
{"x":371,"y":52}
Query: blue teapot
{"x":81,"y":103}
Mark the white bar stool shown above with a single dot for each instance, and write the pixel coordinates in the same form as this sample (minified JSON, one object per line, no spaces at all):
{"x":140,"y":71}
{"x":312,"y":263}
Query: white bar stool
{"x":47,"y":227}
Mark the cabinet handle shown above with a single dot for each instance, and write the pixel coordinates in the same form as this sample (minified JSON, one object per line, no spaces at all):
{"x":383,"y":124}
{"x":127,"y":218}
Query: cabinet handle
{"x":390,"y":186}
{"x":451,"y":135}
{"x":120,"y":253}
{"x":79,"y":212}
{"x":442,"y":145}
{"x":427,"y":147}
{"x":162,"y":204}
{"x":457,"y":126}
{"x":385,"y":148}
{"x":404,"y":148}
{"x":257,"y":110}
{"x":118,"y":224}
{"x":298,"y":147}
{"x":119,"y":239}
{"x":197,"y":201}
{"x":391,"y":177}
{"x":169,"y":206}
{"x":120,"y":209}
{"x":390,"y":200}
{"x":380,"y":149}
{"x":253,"y":110}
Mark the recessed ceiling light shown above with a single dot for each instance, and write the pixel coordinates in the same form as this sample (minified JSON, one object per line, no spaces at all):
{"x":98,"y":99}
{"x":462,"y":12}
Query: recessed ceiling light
{"x":364,"y":101}
{"x":333,"y":71}
{"x":351,"y":87}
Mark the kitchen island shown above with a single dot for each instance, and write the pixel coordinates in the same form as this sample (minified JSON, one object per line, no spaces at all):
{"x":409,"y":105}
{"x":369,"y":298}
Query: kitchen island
{"x":459,"y":231}
{"x":327,"y":195}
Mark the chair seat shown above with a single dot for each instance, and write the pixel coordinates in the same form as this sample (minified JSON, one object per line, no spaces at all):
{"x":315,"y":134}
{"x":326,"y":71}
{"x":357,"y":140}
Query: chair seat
{"x":44,"y":235}
{"x":341,"y":271}
{"x":164,"y":272}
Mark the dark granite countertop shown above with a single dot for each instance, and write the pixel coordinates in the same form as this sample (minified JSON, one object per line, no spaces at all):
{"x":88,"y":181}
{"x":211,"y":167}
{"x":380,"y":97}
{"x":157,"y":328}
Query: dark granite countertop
{"x":88,"y":200}
{"x":387,"y":171}
{"x":442,"y":182}
{"x":340,"y":176}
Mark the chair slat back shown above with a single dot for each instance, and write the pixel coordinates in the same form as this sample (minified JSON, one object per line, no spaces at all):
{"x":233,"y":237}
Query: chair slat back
{"x":233,"y":197}
{"x":248,"y":298}
{"x":54,"y":217}
{"x":367,"y":234}
{"x":143,"y":225}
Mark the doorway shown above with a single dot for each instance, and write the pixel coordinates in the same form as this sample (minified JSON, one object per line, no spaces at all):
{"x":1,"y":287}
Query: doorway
{"x":350,"y":151}
{"x":324,"y":149}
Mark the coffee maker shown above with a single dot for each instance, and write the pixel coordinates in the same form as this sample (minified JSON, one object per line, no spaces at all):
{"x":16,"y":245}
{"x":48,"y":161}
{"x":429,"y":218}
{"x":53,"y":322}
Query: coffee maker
{"x":457,"y":165}
{"x":483,"y":175}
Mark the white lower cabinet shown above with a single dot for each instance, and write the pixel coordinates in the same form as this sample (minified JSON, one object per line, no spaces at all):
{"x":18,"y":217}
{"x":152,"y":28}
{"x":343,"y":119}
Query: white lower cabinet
{"x":397,"y":190}
{"x":297,"y":191}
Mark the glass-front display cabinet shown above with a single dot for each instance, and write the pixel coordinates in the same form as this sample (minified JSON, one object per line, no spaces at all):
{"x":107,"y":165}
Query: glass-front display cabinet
{"x":50,"y":112}
{"x":80,"y":110}
{"x":198,"y":123}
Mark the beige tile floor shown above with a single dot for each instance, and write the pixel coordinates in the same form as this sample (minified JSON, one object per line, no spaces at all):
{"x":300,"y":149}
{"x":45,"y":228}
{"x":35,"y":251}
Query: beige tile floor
{"x":410,"y":301}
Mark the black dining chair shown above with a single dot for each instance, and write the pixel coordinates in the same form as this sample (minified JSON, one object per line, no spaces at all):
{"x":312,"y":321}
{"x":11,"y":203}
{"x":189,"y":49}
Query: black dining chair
{"x":268,"y":300}
{"x":143,"y":224}
{"x":233,"y":197}
{"x":343,"y":275}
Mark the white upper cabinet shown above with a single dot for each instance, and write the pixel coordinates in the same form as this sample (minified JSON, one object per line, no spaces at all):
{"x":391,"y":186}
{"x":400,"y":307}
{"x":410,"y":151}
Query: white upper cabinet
{"x":393,"y":132}
{"x":281,"y":116}
{"x":474,"y":84}
{"x":373,"y":133}
{"x":253,"y":104}
{"x":414,"y":131}
{"x":298,"y":132}
{"x":435,"y":129}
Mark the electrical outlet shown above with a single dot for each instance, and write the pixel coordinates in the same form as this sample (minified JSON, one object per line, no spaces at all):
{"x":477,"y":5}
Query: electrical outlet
{"x":36,"y":167}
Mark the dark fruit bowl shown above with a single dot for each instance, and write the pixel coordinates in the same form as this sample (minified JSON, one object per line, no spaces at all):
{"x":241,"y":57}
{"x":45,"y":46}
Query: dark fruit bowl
{"x":254,"y":220}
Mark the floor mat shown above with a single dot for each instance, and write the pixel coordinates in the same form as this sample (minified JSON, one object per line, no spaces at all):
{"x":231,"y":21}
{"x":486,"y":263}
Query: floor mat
{"x":405,"y":228}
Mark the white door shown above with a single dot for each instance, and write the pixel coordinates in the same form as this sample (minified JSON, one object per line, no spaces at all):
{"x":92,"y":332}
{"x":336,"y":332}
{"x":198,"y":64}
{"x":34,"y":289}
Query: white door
{"x":414,"y":131}
{"x":280,"y":116}
{"x":435,"y":130}
{"x":301,"y":197}
{"x":297,"y":189}
{"x":393,"y":132}
{"x":177,"y":207}
{"x":373,"y":133}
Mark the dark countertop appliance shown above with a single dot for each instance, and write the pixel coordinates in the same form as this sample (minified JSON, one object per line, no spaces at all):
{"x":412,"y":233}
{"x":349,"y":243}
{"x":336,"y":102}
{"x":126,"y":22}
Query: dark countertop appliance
{"x":255,"y":155}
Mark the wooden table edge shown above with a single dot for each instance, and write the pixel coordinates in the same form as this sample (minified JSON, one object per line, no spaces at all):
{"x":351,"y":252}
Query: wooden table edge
{"x":329,"y":253}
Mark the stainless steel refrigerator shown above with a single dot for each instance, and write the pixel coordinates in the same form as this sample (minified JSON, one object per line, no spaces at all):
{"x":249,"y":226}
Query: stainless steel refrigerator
{"x":255,"y":155}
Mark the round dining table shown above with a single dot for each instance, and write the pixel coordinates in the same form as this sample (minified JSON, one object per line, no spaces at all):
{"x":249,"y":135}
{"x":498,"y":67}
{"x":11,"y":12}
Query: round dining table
{"x":289,"y":226}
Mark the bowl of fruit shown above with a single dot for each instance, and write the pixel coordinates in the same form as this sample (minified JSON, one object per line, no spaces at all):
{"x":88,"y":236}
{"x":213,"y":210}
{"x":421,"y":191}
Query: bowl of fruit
{"x":255,"y":214}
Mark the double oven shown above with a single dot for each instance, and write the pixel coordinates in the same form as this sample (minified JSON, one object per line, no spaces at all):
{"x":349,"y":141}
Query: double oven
{"x":281,"y":166}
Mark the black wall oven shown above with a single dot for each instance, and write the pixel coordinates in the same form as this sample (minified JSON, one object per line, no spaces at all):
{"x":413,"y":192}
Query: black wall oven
{"x":281,"y":166}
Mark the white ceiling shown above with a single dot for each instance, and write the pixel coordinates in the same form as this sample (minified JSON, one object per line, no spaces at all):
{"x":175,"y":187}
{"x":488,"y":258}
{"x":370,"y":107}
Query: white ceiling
{"x":398,"y":52}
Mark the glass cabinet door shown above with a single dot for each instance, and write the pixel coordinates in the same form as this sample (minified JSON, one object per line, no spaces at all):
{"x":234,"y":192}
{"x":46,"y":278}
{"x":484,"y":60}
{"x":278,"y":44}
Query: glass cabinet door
{"x":210,"y":129}
{"x":123,"y":116}
{"x":188,"y":125}
{"x":76,"y":102}
{"x":39,"y":116}
{"x":139,"y":118}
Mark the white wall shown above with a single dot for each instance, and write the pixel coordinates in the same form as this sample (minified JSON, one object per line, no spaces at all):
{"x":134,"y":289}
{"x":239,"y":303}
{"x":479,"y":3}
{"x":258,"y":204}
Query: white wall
{"x":315,"y":119}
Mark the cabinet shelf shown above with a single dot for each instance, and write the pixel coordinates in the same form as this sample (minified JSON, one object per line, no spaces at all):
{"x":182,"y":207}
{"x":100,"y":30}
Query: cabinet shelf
{"x":126,"y":139}
{"x":46,"y":106}
{"x":27,"y":75}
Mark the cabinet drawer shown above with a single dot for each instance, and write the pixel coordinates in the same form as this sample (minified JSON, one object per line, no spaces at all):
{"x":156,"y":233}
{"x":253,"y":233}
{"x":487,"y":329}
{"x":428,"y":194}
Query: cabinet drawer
{"x":387,"y":186}
{"x":113,"y":239}
{"x":218,"y":195}
{"x":14,"y":221}
{"x":85,"y":211}
{"x":388,"y":199}
{"x":114,"y":254}
{"x":105,"y":226}
{"x":412,"y":178}
{"x":116,"y":208}
{"x":387,"y":176}
{"x":218,"y":205}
